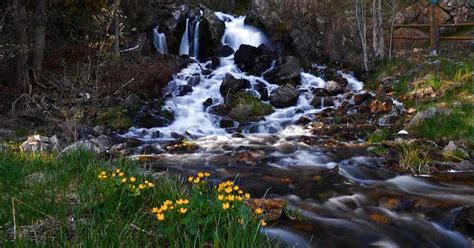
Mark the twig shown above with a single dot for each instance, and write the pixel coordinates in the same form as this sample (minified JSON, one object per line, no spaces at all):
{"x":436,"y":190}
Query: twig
{"x":121,"y":87}
{"x":14,"y":218}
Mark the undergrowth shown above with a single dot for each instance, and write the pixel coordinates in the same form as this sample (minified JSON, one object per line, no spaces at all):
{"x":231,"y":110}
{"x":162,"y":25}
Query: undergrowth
{"x":82,"y":200}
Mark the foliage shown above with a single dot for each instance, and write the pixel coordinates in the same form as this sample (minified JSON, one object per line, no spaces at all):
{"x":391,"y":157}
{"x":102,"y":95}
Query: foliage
{"x":115,"y":118}
{"x":80,"y":200}
{"x":414,"y":159}
{"x":245,"y":106}
{"x":378,"y":136}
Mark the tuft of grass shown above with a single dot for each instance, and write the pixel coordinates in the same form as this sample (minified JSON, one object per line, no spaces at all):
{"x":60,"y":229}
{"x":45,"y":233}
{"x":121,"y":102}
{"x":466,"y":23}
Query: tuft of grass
{"x":414,"y":159}
{"x":378,"y":136}
{"x":434,"y":81}
{"x":67,"y":202}
{"x":245,"y":107}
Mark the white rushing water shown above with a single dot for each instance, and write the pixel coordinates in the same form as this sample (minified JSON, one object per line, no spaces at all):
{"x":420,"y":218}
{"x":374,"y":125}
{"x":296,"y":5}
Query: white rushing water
{"x":184,"y":46}
{"x":190,"y":115}
{"x":159,"y":39}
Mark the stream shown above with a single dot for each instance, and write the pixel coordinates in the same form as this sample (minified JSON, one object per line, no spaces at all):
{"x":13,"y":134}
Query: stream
{"x":343,"y":195}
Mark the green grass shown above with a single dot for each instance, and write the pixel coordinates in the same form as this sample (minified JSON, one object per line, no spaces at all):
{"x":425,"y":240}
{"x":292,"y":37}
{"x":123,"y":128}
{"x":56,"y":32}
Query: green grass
{"x":414,"y":159}
{"x":378,"y":136}
{"x":244,"y":107}
{"x":105,"y":212}
{"x":114,"y":118}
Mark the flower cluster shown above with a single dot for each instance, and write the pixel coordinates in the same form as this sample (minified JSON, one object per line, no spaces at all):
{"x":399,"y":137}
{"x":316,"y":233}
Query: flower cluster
{"x":227,"y":193}
{"x":180,"y":207}
{"x":121,"y":181}
{"x":200,"y":178}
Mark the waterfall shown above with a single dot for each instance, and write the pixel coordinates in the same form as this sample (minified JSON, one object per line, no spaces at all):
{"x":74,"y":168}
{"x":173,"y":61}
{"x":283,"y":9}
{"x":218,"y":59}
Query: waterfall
{"x":159,"y":39}
{"x":184,"y":47}
{"x":237,"y":33}
{"x":196,"y":41}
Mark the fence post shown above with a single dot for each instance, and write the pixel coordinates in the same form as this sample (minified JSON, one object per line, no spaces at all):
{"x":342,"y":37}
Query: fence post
{"x":434,"y":30}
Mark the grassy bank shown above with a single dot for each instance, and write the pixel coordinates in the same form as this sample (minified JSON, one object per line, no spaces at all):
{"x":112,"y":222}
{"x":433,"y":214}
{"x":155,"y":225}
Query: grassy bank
{"x":82,"y":200}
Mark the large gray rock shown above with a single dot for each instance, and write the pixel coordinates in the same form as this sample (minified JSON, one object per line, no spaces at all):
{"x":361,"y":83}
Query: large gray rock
{"x":38,"y":143}
{"x":287,"y":71}
{"x":99,"y":145}
{"x":333,"y":88}
{"x":428,"y":114}
{"x":285,"y":96}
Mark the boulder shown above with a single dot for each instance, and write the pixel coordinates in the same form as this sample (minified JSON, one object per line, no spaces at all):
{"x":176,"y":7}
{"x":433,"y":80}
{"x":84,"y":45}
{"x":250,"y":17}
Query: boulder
{"x":226,"y":123}
{"x":194,"y":80}
{"x":261,"y":88}
{"x":99,"y":145}
{"x":285,"y":96}
{"x":453,"y":151}
{"x":428,"y":114}
{"x":464,"y":221}
{"x":38,"y":143}
{"x":231,"y":85}
{"x":286,"y":71}
{"x":175,"y":90}
{"x":225,"y":51}
{"x":208,"y":103}
{"x":245,"y":56}
{"x":333,"y":88}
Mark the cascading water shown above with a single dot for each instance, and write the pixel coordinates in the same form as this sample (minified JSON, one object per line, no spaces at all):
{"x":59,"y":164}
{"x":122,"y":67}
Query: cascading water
{"x":184,"y":47}
{"x":345,"y":213}
{"x":196,"y":40}
{"x":159,"y":39}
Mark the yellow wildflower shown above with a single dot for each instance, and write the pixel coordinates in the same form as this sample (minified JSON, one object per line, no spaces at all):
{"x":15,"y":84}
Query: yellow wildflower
{"x":220,"y":197}
{"x":186,"y":201}
{"x":239,"y":198}
{"x":160,"y":217}
{"x":230,"y":197}
{"x":164,"y":207}
{"x":197,"y":180}
{"x":124,"y":180}
{"x":103,"y":173}
{"x":258,"y":211}
{"x":190,"y":179}
{"x":155,"y":210}
{"x":141,"y":186}
{"x":121,"y":174}
{"x":183,"y":210}
{"x":228,"y":190}
{"x":151,"y":185}
{"x":225,"y":205}
{"x":263,"y":223}
{"x":113,"y":174}
{"x":241,"y":192}
{"x":236,"y":187}
{"x":172,"y":207}
{"x":117,"y":171}
{"x":207,"y":174}
{"x":168,"y":202}
{"x":133,"y":179}
{"x":247,"y":196}
{"x":200,"y":174}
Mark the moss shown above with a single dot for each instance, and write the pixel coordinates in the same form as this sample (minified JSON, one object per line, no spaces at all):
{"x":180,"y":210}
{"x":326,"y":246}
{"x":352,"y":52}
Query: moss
{"x":245,"y":108}
{"x":114,"y":118}
{"x":378,"y":136}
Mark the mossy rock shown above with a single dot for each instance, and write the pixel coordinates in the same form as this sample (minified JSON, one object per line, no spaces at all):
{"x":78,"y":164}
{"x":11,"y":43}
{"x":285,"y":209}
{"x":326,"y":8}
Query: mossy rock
{"x":114,"y":118}
{"x":247,"y":108}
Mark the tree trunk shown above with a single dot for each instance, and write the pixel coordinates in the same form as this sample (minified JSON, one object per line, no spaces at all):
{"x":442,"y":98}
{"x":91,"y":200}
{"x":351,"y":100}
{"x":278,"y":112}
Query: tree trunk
{"x":378,"y":36}
{"x":21,"y":38}
{"x":39,"y":39}
{"x":117,"y":29}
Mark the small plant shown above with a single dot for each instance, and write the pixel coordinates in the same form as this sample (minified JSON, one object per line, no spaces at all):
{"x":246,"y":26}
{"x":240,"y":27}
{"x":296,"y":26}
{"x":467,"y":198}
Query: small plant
{"x":414,"y":159}
{"x":208,"y":214}
{"x":378,"y":136}
{"x":131,"y":186}
{"x":434,"y":82}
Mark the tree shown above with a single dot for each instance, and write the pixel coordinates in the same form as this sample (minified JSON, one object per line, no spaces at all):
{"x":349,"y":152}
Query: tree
{"x":378,"y":35}
{"x":361,"y":19}
{"x":392,"y":7}
{"x":39,"y":39}
{"x":22,"y":48}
